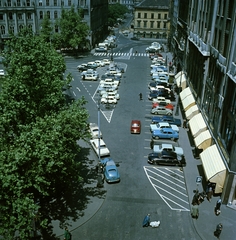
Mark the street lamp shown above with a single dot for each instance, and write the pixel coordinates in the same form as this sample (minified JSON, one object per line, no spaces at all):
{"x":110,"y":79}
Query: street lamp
{"x":179,"y":88}
{"x":99,"y":133}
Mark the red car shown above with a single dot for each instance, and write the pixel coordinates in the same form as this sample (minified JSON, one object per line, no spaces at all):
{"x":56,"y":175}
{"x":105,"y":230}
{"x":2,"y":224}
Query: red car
{"x":164,"y":104}
{"x":135,"y":126}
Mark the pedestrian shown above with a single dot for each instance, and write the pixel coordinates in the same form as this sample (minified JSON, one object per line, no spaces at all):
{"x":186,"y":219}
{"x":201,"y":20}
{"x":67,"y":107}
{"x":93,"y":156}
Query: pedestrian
{"x":151,"y":143}
{"x":195,"y":211}
{"x":218,"y":230}
{"x":146,"y":221}
{"x":140,"y":96}
{"x":217,"y":207}
{"x":67,"y":234}
{"x":184,"y":123}
{"x":209,"y":194}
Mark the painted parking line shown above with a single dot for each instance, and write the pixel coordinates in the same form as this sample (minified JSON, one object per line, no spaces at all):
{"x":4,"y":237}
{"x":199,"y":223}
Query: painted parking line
{"x":170,"y":186}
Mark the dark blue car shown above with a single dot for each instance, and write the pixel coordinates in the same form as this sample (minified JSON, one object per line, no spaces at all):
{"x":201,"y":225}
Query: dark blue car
{"x":169,"y":119}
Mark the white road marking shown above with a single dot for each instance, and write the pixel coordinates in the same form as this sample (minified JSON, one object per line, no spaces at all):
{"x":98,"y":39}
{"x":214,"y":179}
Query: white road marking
{"x":78,"y":89}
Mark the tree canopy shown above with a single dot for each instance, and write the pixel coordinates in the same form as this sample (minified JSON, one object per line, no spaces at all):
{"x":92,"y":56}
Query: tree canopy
{"x":115,"y":11}
{"x":40,"y":168}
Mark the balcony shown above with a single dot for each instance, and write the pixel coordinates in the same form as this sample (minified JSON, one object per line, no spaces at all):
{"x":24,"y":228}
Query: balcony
{"x":232,"y":71}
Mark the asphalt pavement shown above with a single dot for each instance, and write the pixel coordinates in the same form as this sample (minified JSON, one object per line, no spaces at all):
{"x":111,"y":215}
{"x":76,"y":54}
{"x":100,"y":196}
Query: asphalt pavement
{"x":206,"y":223}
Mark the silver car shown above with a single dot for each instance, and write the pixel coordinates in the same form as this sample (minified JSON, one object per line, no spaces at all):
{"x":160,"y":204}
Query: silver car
{"x":162,"y":111}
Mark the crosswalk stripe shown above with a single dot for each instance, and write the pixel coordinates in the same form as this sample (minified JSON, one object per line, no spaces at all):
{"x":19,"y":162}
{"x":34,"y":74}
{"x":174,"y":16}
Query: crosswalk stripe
{"x":122,"y":54}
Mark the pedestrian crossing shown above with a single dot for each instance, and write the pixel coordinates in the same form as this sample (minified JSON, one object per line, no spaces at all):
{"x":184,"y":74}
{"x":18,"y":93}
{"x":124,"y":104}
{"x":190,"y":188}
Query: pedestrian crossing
{"x":128,"y":54}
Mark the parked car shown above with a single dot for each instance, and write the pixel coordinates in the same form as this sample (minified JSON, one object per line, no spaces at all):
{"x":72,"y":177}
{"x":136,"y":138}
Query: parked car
{"x":135,"y":126}
{"x":82,"y":67}
{"x":163,"y":104}
{"x":110,"y":80}
{"x":169,"y":119}
{"x":166,"y":158}
{"x":109,"y":99}
{"x":165,"y":133}
{"x":94,"y":130}
{"x":106,"y":61}
{"x":90,"y":77}
{"x":100,"y":63}
{"x":111,"y":94}
{"x":111,"y":173}
{"x":160,"y":125}
{"x":101,"y":49}
{"x":92,"y":65}
{"x":161,"y":99}
{"x":161,"y":111}
{"x":108,"y":90}
{"x":170,"y":148}
{"x":104,"y":151}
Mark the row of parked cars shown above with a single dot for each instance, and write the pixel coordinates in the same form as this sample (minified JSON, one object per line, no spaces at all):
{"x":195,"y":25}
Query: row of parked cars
{"x":163,"y":125}
{"x":108,"y":166}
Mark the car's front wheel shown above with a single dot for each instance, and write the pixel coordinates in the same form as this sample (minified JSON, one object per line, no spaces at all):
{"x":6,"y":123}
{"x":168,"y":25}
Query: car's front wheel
{"x":156,"y":137}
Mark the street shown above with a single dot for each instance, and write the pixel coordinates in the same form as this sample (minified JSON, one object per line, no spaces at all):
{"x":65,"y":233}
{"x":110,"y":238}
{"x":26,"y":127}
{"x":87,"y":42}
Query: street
{"x":159,"y":191}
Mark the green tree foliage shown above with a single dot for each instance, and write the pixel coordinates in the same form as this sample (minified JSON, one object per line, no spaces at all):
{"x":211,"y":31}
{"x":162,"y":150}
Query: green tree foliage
{"x":40,"y":170}
{"x":72,"y":29}
{"x":46,"y":31}
{"x":115,"y":11}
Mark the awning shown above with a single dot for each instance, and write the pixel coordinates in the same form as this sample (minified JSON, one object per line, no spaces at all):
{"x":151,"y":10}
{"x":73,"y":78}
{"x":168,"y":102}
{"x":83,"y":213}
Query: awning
{"x":180,"y":79}
{"x":185,"y":93}
{"x":188,"y":102}
{"x":214,"y":168}
{"x":192,"y":111}
{"x":197,"y":125}
{"x":203,"y":140}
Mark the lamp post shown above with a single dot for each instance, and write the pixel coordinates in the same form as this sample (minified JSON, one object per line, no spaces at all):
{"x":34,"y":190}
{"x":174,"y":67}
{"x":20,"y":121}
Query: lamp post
{"x":99,"y":133}
{"x":179,"y":88}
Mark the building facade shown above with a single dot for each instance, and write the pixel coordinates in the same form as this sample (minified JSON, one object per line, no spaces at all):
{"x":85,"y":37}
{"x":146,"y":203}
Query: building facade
{"x":15,"y":14}
{"x":151,"y":19}
{"x":206,"y":37}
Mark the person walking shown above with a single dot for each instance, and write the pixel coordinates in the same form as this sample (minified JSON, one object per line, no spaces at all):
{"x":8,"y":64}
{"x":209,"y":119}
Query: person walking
{"x":218,"y":230}
{"x":67,"y":234}
{"x":195,"y":211}
{"x":146,"y":221}
{"x":217,"y":207}
{"x":209,"y":194}
{"x":140,"y":96}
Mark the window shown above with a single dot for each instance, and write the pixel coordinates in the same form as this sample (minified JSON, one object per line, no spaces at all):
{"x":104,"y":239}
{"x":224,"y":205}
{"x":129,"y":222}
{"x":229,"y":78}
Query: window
{"x":1,"y":16}
{"x":69,"y":2}
{"x":21,"y":27}
{"x":138,"y":23}
{"x":62,"y":3}
{"x":56,"y":28}
{"x":139,"y":15}
{"x":18,"y":3}
{"x":3,"y":30}
{"x":28,"y":3}
{"x":11,"y":29}
{"x":165,"y":16}
{"x":145,"y":15}
{"x":152,"y":15}
{"x":55,"y":15}
{"x":55,"y":2}
{"x":40,"y":3}
{"x":151,"y":24}
{"x":47,"y":2}
{"x":20,"y":16}
{"x":30,"y":27}
{"x":10,"y":15}
{"x":145,"y":24}
{"x":9,"y":3}
{"x":164,"y":25}
{"x":159,"y":16}
{"x":41,"y":15}
{"x":48,"y":14}
{"x":158,"y":24}
{"x":28,"y":15}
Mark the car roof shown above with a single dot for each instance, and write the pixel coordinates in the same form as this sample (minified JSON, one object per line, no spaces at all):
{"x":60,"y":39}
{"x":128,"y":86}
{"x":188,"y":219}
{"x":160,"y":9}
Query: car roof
{"x":169,"y":153}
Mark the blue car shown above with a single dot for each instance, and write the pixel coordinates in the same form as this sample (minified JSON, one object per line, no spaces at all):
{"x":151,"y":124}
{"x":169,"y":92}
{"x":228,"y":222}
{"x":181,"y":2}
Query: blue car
{"x":165,"y":133}
{"x":110,"y":170}
{"x":169,"y":119}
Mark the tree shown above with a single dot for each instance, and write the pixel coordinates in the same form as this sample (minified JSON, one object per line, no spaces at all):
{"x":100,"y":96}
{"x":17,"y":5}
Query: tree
{"x":40,"y":164}
{"x":46,"y":29}
{"x":73,"y":30}
{"x":115,"y":11}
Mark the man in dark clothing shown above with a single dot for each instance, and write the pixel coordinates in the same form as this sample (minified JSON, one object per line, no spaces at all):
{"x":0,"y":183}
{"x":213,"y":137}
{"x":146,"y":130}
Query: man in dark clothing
{"x":67,"y":234}
{"x":218,"y":230}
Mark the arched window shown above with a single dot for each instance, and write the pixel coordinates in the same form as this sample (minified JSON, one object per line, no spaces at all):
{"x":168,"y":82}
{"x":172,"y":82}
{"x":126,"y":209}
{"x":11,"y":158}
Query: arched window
{"x":48,"y":14}
{"x":55,"y":15}
{"x":41,"y":15}
{"x":3,"y":31}
{"x":11,"y":29}
{"x":21,"y":27}
{"x":56,"y":28}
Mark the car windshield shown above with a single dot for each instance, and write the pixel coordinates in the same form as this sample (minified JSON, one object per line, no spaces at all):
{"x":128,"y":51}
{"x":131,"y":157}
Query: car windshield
{"x":135,"y":125}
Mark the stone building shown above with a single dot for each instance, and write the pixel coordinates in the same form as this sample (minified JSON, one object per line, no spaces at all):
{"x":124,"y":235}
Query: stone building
{"x":204,"y":46}
{"x":15,"y":14}
{"x":151,"y":19}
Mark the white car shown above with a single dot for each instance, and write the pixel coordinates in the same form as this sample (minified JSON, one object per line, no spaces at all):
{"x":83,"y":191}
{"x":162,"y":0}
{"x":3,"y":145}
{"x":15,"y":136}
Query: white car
{"x":106,"y":61}
{"x":161,"y":99}
{"x":90,"y":77}
{"x":100,"y":63}
{"x":161,"y":125}
{"x":113,"y":94}
{"x":106,"y":90}
{"x":100,"y":144}
{"x":110,"y":80}
{"x":94,"y":130}
{"x":108,"y":85}
{"x":109,"y":99}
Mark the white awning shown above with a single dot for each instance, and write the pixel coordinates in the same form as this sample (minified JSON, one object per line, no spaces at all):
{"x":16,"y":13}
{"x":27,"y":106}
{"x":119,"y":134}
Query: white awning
{"x":203,"y":140}
{"x":188,"y":102}
{"x":197,"y":125}
{"x":192,"y":111}
{"x":186,"y":92}
{"x":214,"y":167}
{"x":180,"y":79}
